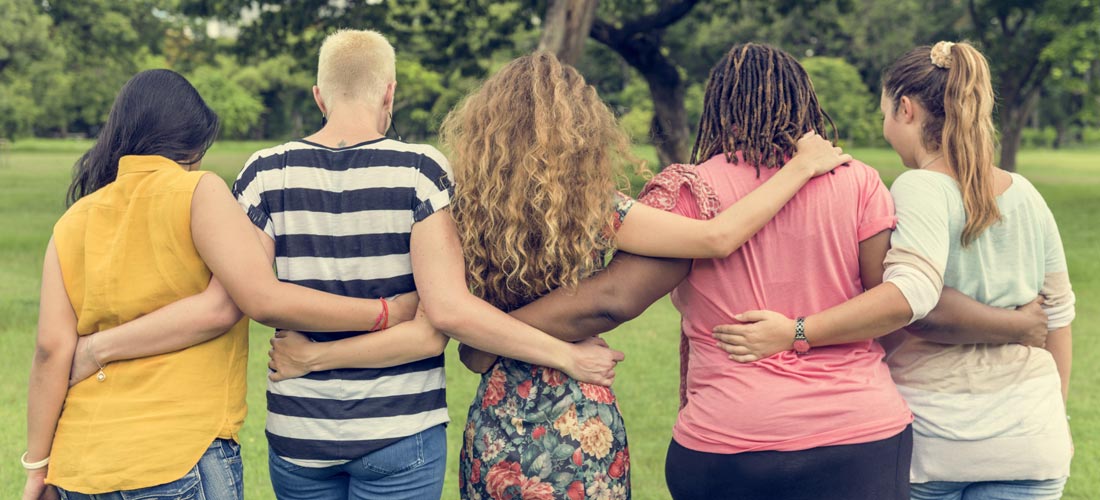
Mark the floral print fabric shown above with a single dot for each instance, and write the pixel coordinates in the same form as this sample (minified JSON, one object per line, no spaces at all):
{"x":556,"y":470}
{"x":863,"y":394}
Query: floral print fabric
{"x":533,"y":433}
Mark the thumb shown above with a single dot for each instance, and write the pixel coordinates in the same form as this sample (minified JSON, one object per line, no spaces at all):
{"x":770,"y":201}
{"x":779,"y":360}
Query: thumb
{"x":752,"y":316}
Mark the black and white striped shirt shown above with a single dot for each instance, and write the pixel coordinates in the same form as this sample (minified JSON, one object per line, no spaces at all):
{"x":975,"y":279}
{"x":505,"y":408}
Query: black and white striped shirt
{"x":341,"y":221}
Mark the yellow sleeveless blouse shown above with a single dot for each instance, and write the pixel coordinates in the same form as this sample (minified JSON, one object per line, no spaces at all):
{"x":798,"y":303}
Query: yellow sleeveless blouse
{"x":125,"y":251}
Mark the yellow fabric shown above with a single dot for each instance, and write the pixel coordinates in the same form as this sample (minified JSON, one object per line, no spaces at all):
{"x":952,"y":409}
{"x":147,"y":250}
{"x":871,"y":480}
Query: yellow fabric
{"x":125,"y":251}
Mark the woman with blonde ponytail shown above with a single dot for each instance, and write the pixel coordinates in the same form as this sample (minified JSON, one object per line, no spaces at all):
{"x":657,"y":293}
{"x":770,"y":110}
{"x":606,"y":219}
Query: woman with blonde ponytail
{"x":988,"y":406}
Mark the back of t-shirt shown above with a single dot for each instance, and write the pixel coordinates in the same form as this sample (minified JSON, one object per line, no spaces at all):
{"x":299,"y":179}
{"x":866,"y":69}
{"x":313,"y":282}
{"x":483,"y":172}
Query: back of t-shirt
{"x":804,"y":261}
{"x":341,"y":219}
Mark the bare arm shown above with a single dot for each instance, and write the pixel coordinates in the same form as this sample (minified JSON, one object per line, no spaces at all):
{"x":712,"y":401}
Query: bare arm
{"x":179,"y":325}
{"x":294,"y":355}
{"x":682,"y":237}
{"x":872,"y":314}
{"x":227,"y":242}
{"x":49,"y":376}
{"x":440,"y":274}
{"x":1060,"y":345}
{"x":624,"y":290}
{"x":959,"y":319}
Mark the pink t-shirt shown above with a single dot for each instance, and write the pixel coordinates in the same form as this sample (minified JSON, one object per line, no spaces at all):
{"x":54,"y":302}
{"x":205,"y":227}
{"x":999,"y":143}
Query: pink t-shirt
{"x":804,"y":261}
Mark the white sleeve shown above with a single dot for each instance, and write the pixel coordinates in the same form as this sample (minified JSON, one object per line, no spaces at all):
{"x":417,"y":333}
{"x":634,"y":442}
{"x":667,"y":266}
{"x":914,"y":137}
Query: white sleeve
{"x":922,"y":241}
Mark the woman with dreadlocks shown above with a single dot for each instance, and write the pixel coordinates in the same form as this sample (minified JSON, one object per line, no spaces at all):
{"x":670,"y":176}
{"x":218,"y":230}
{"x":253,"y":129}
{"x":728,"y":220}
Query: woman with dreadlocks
{"x":823,"y":424}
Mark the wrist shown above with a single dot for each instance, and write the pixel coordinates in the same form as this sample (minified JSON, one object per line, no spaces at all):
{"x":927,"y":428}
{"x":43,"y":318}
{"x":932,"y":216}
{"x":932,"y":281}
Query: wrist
{"x":563,"y":357}
{"x":315,"y":355}
{"x":101,"y":349}
{"x":803,"y":168}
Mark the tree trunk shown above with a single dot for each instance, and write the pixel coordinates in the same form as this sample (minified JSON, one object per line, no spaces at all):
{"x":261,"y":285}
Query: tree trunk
{"x":565,"y":28}
{"x":668,"y":131}
{"x":1013,"y":117}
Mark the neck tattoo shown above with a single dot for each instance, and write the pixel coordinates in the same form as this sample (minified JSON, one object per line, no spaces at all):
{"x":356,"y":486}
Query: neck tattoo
{"x":341,"y":144}
{"x":929,"y":162}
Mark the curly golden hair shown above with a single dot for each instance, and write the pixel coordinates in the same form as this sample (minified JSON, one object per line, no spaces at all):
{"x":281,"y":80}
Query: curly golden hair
{"x":537,"y":158}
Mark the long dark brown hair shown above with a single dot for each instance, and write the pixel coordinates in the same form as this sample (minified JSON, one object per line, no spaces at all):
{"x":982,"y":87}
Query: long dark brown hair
{"x":157,"y":112}
{"x":759,"y":101}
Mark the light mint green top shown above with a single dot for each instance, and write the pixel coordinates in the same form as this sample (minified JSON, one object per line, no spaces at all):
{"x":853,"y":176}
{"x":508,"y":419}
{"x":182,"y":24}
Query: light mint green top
{"x":981,"y":412}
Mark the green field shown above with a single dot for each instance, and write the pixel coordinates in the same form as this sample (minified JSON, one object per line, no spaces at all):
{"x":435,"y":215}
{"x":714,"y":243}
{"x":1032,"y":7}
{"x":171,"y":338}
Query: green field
{"x":35,"y":174}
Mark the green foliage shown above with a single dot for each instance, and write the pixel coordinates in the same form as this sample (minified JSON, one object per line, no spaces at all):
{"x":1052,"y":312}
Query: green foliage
{"x":843,"y":95}
{"x":31,"y":79}
{"x":238,"y":108}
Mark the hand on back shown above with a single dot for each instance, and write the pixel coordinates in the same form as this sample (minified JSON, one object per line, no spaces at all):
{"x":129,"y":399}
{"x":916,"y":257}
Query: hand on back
{"x":1035,"y":330}
{"x":593,"y":361}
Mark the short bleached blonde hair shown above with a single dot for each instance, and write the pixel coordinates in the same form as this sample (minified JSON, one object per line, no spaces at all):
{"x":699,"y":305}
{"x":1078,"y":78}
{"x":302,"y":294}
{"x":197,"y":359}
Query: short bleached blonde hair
{"x":355,"y":65}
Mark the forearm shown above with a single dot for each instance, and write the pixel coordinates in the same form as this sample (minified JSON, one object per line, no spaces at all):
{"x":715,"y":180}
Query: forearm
{"x":959,"y":319}
{"x":872,"y":314}
{"x":292,"y":307}
{"x":738,"y":223}
{"x":47,"y":387}
{"x":179,"y":325}
{"x":405,"y":343}
{"x":1060,"y":345}
{"x":476,"y":323}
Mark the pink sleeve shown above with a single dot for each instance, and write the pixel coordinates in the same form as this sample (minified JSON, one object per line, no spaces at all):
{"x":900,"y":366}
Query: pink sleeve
{"x":876,"y":206}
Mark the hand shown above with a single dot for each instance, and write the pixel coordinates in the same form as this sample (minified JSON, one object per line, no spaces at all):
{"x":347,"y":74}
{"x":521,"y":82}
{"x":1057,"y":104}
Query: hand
{"x":36,"y":488}
{"x":477,"y":361}
{"x":84,"y":363}
{"x":592,"y":361}
{"x":818,"y":154}
{"x":761,"y":334}
{"x":403,"y":308}
{"x":292,"y":355}
{"x":1034,"y":323}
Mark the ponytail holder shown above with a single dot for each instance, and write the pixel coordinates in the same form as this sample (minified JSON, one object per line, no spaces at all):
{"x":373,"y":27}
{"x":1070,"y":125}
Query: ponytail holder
{"x":941,"y":55}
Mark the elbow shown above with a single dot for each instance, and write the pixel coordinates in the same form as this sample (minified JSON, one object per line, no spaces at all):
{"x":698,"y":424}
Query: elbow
{"x":261,"y":313}
{"x":435,"y":344}
{"x":446,"y":319}
{"x":617,"y":306}
{"x":717,"y":245}
{"x":224,"y":315}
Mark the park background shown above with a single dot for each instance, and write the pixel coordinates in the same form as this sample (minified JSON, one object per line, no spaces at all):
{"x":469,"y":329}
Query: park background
{"x":62,"y":62}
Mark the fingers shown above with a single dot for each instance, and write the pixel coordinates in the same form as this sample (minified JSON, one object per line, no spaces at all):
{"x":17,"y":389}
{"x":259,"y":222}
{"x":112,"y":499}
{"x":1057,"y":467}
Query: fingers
{"x":617,"y":356}
{"x":845,"y":159}
{"x":740,"y":330}
{"x":746,"y":358}
{"x":753,"y":316}
{"x":600,"y":341}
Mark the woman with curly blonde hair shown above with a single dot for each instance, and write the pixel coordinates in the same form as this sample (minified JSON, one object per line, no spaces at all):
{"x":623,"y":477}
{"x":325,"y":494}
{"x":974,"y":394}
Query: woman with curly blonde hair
{"x":537,"y":159}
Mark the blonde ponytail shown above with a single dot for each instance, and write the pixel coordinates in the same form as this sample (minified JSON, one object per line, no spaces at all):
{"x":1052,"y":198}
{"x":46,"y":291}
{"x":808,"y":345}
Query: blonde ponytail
{"x":951,"y":81}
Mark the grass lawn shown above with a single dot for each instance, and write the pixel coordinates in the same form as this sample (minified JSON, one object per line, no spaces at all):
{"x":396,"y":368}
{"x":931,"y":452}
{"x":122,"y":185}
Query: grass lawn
{"x":34,"y":176}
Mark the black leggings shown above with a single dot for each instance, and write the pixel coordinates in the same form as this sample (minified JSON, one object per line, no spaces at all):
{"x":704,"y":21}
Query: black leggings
{"x":873,"y":471}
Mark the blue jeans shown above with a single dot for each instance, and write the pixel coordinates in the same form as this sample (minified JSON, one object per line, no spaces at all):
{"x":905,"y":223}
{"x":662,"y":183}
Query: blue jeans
{"x":218,"y":476}
{"x":411,"y":468}
{"x":1048,"y":489}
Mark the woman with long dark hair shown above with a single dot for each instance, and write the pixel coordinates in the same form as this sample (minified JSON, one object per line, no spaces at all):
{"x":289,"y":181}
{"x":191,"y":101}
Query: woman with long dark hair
{"x":147,"y":229}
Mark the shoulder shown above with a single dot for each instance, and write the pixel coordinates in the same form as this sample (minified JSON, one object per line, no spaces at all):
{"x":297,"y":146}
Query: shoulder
{"x":664,"y":189}
{"x":273,"y":157}
{"x":922,"y":183}
{"x":428,"y":155}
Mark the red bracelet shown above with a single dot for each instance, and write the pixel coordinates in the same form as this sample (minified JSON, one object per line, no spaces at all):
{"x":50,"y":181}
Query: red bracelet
{"x":383,"y":318}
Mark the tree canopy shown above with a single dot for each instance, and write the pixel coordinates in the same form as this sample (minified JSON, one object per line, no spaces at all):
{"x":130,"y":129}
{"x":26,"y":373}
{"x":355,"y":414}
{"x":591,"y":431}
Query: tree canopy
{"x":63,"y":61}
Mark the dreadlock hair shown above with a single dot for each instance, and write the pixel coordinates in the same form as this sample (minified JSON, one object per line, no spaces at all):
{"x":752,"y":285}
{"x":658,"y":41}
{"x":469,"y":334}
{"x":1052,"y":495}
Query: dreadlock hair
{"x":759,"y":101}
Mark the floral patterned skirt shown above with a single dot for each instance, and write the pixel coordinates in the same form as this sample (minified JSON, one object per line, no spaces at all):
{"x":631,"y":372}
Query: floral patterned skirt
{"x":535,"y":433}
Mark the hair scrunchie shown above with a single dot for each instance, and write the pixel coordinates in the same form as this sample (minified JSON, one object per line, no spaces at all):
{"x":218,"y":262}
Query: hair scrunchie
{"x":941,"y":55}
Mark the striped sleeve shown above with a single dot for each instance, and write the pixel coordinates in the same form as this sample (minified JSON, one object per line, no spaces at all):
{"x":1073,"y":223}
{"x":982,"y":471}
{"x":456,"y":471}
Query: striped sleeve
{"x":249,"y":190}
{"x":433,"y":184}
